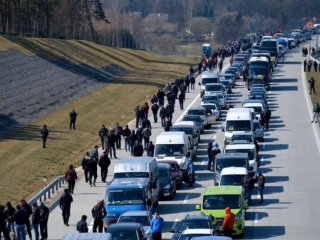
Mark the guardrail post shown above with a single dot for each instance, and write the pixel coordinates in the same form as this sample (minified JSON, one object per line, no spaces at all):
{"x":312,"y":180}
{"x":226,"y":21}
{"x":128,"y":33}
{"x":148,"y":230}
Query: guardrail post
{"x":49,"y":193}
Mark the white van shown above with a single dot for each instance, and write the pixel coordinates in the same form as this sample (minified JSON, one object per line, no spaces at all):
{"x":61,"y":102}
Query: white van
{"x":210,"y":76}
{"x":189,"y":128}
{"x":256,"y":106}
{"x":232,"y":176}
{"x":238,"y":120}
{"x":174,"y":146}
{"x":136,"y":167}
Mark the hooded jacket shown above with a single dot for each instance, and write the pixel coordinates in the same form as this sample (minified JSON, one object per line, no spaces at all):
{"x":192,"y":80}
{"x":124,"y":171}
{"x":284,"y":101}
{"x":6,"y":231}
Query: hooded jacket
{"x":229,"y":219}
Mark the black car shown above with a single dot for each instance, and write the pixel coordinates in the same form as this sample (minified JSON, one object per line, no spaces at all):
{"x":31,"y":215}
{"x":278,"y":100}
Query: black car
{"x":176,"y":171}
{"x":128,"y":231}
{"x":167,"y":181}
{"x":192,"y":222}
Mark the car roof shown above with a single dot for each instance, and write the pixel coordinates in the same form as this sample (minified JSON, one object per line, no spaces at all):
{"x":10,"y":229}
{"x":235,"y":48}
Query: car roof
{"x":127,"y":182}
{"x":193,"y":116}
{"x":184,"y":124}
{"x":240,"y":146}
{"x":258,"y":59}
{"x":197,"y":231}
{"x":209,"y":74}
{"x":223,"y":190}
{"x":211,"y":238}
{"x":169,"y":162}
{"x":126,"y":225}
{"x":164,"y":166}
{"x":234,"y":171}
{"x":197,"y":217}
{"x":135,"y":213}
{"x":253,"y":104}
{"x":197,"y":108}
{"x":242,"y":134}
{"x":232,"y":156}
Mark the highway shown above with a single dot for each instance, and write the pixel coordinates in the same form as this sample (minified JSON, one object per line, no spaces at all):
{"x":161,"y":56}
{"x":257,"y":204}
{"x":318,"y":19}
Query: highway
{"x":290,"y":161}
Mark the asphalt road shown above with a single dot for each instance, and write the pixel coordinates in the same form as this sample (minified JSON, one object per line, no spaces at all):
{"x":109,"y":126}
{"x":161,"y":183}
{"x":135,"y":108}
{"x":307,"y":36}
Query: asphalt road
{"x":290,"y":162}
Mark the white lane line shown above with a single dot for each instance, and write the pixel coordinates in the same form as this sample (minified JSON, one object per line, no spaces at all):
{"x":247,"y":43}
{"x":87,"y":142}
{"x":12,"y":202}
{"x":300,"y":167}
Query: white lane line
{"x":262,"y":159}
{"x":214,"y":137}
{"x":175,"y":223}
{"x":256,"y":218}
{"x":90,"y":226}
{"x":185,"y":199}
{"x":187,"y":109}
{"x":203,"y":162}
{"x":310,"y":108}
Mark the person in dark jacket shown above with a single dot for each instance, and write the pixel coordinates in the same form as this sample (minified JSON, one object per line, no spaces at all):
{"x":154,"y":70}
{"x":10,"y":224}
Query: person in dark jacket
{"x":181,"y":100}
{"x":71,"y":177}
{"x":98,"y":214}
{"x":28,"y":210}
{"x":167,"y":126}
{"x":169,"y":112}
{"x":73,"y":118}
{"x":85,"y":165}
{"x":65,"y":205}
{"x":315,"y":66}
{"x":248,"y":185}
{"x":137,"y":115}
{"x":92,"y":170}
{"x":9,"y":211}
{"x":82,"y":226}
{"x":160,"y":96}
{"x":150,"y":149}
{"x":267,"y":116}
{"x":44,"y":217}
{"x":210,"y":156}
{"x":312,"y":83}
{"x":44,"y":133}
{"x":112,"y":142}
{"x":138,"y":149}
{"x":104,"y":163}
{"x":20,"y":219}
{"x":132,"y":140}
{"x":35,"y":219}
{"x":162,"y":114}
{"x":139,"y":134}
{"x":3,"y":224}
{"x":305,"y":65}
{"x":103,"y":133}
{"x":155,"y":109}
{"x":261,"y":183}
{"x":126,"y":134}
{"x":118,"y":130}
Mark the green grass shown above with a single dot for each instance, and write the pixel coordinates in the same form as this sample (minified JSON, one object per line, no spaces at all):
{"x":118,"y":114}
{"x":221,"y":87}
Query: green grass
{"x":24,"y":163}
{"x":315,"y":98}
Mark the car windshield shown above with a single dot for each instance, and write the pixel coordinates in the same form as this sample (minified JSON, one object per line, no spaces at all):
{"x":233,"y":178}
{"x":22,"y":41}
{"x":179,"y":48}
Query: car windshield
{"x":197,"y":119}
{"x":238,"y":125}
{"x":211,"y":106}
{"x":249,"y":151}
{"x":198,"y":112}
{"x":228,"y":77}
{"x":213,"y":88}
{"x":209,"y":80}
{"x":131,"y":175}
{"x":163,"y":173}
{"x":122,"y":234}
{"x":230,"y":162}
{"x":191,"y":236}
{"x":186,"y":130}
{"x":208,"y":98}
{"x":227,"y":180}
{"x":258,"y":70}
{"x":143,"y":220}
{"x":125,"y":197}
{"x":168,"y":150}
{"x":221,"y":201}
{"x":192,"y":225}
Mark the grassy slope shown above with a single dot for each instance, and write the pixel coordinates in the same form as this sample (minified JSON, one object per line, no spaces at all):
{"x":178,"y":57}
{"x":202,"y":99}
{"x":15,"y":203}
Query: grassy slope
{"x":316,"y":75}
{"x":24,"y":163}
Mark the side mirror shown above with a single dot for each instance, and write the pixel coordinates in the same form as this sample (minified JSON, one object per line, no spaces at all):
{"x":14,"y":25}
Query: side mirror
{"x":198,"y":207}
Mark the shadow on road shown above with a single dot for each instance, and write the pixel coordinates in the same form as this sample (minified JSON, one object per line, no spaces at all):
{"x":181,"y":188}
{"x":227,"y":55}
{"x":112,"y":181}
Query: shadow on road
{"x":274,"y":147}
{"x":273,"y":189}
{"x":264,"y":232}
{"x":251,"y":216}
{"x":275,"y":179}
{"x":284,"y":80}
{"x":285,"y":88}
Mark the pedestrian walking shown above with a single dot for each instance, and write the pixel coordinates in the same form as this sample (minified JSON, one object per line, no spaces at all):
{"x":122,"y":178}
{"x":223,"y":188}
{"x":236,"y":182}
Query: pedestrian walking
{"x":156,"y":226}
{"x":267,"y":117}
{"x":315,"y":66}
{"x":71,"y":177}
{"x":36,"y":220}
{"x":169,"y":112}
{"x":92,"y":171}
{"x":132,"y":140}
{"x":118,"y":132}
{"x":248,"y":185}
{"x":146,"y":133}
{"x":191,"y":171}
{"x":150,"y":149}
{"x":162,"y":114}
{"x":312,"y":84}
{"x":98,"y":214}
{"x":28,"y":210}
{"x":137,"y":149}
{"x":309,"y":65}
{"x":82,"y":226}
{"x":187,"y":83}
{"x":210,"y":155}
{"x":228,"y":222}
{"x":3,"y":224}
{"x":103,"y":133}
{"x":20,"y":218}
{"x":126,"y":134}
{"x":85,"y":165}
{"x":215,"y":151}
{"x":316,"y":110}
{"x":261,"y":183}
{"x":104,"y":163}
{"x":137,"y":115}
{"x":181,"y":100}
{"x":73,"y":118}
{"x":155,"y":109}
{"x":145,"y":123}
{"x":65,"y":205}
{"x":167,"y":126}
{"x":160,"y":96}
{"x":44,"y":133}
{"x":305,"y":65}
{"x":192,"y":81}
{"x":9,"y":211}
{"x":112,"y":141}
{"x":44,"y":217}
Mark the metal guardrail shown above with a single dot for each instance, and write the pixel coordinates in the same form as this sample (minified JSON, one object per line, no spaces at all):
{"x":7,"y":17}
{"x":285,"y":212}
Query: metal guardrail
{"x":48,"y":191}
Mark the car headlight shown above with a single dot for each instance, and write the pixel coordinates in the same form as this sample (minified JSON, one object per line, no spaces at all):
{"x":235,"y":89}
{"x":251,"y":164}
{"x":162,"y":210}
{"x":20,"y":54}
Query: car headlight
{"x":109,"y":214}
{"x":167,"y":186}
{"x":238,"y":216}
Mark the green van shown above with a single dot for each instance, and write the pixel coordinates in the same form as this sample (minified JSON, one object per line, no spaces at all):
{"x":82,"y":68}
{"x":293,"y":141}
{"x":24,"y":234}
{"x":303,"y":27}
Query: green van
{"x":216,"y":198}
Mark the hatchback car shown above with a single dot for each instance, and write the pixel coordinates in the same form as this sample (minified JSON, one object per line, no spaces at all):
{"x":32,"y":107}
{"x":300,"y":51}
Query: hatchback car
{"x":167,"y":181}
{"x":176,"y":171}
{"x":197,"y":119}
{"x":192,"y":222}
{"x":201,"y":111}
{"x":128,"y":231}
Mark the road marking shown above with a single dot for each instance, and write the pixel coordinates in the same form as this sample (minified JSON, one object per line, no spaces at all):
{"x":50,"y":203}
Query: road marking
{"x":258,"y":196}
{"x":203,"y":162}
{"x":262,"y":159}
{"x":90,"y":227}
{"x":175,"y":223}
{"x":214,"y":137}
{"x":256,"y":218}
{"x":185,"y":199}
{"x":310,"y":108}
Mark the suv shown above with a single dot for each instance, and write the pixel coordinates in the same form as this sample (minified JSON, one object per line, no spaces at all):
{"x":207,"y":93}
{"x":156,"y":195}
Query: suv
{"x":216,"y":198}
{"x":208,"y":119}
{"x":192,"y":222}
